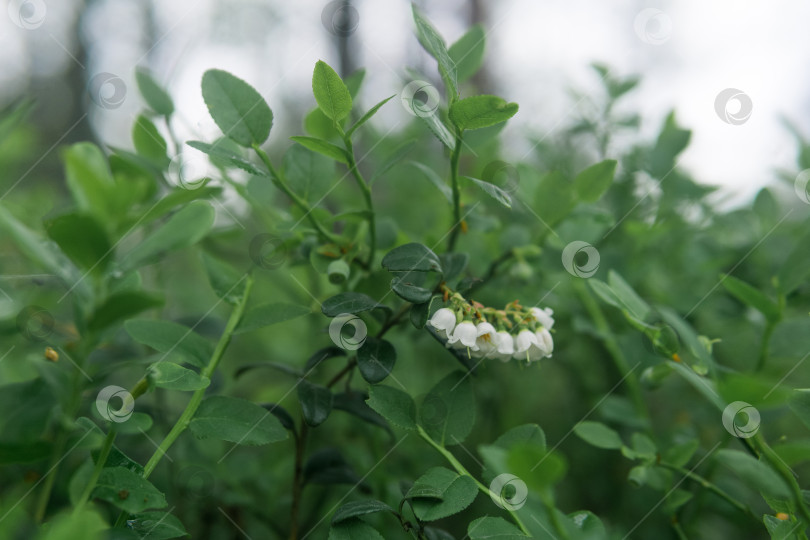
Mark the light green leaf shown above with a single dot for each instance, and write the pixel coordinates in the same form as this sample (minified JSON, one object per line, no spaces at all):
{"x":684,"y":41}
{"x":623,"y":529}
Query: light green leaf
{"x":218,"y":151}
{"x":365,"y":118}
{"x":185,"y":228}
{"x":82,"y":238}
{"x":128,"y":490}
{"x":89,"y":179}
{"x":493,"y":191}
{"x":796,"y":267}
{"x":323,"y":147}
{"x":267,"y":314}
{"x":122,"y":306}
{"x":149,"y":143}
{"x":236,"y":107}
{"x":592,"y":183}
{"x":434,"y":178}
{"x":330,"y":92}
{"x":468,"y":52}
{"x":749,"y":295}
{"x":155,"y":96}
{"x":753,"y":472}
{"x":394,"y":405}
{"x":171,"y":376}
{"x":631,"y":301}
{"x":598,"y":434}
{"x":168,"y":336}
{"x":441,"y":131}
{"x":481,"y":111}
{"x":553,"y":198}
{"x":86,"y":524}
{"x":434,"y":44}
{"x":236,"y":420}
{"x":228,"y":283}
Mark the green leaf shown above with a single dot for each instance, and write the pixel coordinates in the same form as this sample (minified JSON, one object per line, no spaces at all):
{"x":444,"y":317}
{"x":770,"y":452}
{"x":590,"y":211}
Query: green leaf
{"x":316,"y":402}
{"x":631,"y":301}
{"x":434,"y":44}
{"x":795,"y":269}
{"x":753,"y":472}
{"x":671,"y":141}
{"x":86,"y":524}
{"x":354,"y":403}
{"x":267,"y":314}
{"x":128,"y":490}
{"x":457,"y":493}
{"x":441,"y":131}
{"x":236,"y":420}
{"x":481,"y":111}
{"x":448,"y":411}
{"x":348,"y":302}
{"x":598,"y":434}
{"x":148,"y":142}
{"x":354,"y":81}
{"x":365,"y":118}
{"x":493,"y":528}
{"x":376,"y":359}
{"x":168,"y":336}
{"x":553,"y":198}
{"x":680,"y":454}
{"x":185,"y":228}
{"x":330,"y":92}
{"x":178,"y":197}
{"x":156,"y":526}
{"x":217,"y":151}
{"x":359,"y":508}
{"x":592,"y":183}
{"x":749,"y":295}
{"x":394,"y":405}
{"x":309,"y":173}
{"x":411,"y":257}
{"x":90,"y":180}
{"x":171,"y":376}
{"x":236,"y":107}
{"x":779,"y":529}
{"x":121,"y":306}
{"x":527,"y":434}
{"x":800,"y":405}
{"x":227,"y":281}
{"x":434,"y":178}
{"x":468,"y":52}
{"x":323,"y":147}
{"x":319,"y":125}
{"x":409,"y":291}
{"x":82,"y":238}
{"x":155,"y":96}
{"x":354,"y":529}
{"x":493,"y":191}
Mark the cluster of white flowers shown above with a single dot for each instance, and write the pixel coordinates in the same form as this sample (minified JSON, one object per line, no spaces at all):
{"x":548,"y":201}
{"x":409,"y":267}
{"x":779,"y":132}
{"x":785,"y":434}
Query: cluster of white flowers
{"x":529,"y":338}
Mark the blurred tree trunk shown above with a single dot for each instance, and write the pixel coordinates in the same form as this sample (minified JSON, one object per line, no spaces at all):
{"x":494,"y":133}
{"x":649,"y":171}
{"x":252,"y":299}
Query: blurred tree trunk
{"x":344,"y":39}
{"x":478,"y":14}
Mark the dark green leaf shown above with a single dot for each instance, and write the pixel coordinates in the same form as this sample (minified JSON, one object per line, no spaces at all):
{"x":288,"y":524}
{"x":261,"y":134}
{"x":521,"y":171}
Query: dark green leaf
{"x":753,"y":472}
{"x":448,"y":411}
{"x":227,"y":281}
{"x":82,"y":238}
{"x":409,"y":291}
{"x":348,"y":302}
{"x":359,"y":508}
{"x":354,"y":403}
{"x":168,"y":336}
{"x":121,"y":306}
{"x":267,"y":314}
{"x":457,"y":493}
{"x":128,"y":490}
{"x":236,"y":107}
{"x":316,"y":402}
{"x":156,"y":526}
{"x":598,"y":435}
{"x":376,"y":359}
{"x":171,"y":376}
{"x":237,"y":421}
{"x":354,"y":529}
{"x":394,"y":405}
{"x":411,"y":257}
{"x":493,"y":528}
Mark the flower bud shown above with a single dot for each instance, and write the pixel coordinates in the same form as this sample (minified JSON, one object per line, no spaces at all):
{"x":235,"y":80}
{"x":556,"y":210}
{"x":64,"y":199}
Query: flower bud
{"x":338,"y":271}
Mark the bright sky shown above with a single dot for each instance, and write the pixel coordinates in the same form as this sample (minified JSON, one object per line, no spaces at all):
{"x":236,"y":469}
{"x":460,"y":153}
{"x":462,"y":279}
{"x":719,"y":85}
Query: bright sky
{"x":687,"y":52}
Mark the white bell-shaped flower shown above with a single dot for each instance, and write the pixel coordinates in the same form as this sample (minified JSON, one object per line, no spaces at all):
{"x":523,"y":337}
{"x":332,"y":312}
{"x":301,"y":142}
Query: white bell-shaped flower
{"x":545,"y":344}
{"x":485,"y":339}
{"x":444,"y":320}
{"x":464,"y":335}
{"x":505,"y":346}
{"x":526,"y":346}
{"x":543,"y":316}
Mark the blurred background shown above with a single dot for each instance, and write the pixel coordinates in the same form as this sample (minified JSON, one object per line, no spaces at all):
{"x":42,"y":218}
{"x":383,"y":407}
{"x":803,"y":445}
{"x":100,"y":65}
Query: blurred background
{"x":538,"y":54}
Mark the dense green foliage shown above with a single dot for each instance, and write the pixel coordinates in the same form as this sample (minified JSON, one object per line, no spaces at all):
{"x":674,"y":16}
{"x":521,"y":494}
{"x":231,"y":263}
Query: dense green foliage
{"x":320,"y":358}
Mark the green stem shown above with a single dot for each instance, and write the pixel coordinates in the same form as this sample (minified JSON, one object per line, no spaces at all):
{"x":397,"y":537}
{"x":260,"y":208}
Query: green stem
{"x":777,"y":464}
{"x":462,"y":470}
{"x":106,"y":446}
{"x":196,"y":398}
{"x":763,"y":349}
{"x":548,"y":504}
{"x":279,"y":181}
{"x":612,"y":347}
{"x":454,"y":157}
{"x":366,"y":189}
{"x":709,"y":486}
